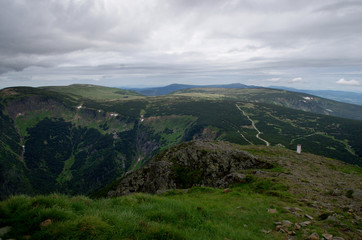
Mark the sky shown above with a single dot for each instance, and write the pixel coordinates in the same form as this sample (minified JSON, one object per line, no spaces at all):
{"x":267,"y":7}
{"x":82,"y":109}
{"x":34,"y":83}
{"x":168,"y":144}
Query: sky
{"x":305,"y":44}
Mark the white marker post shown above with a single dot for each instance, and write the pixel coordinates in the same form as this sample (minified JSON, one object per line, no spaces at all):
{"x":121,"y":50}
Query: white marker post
{"x":299,"y":148}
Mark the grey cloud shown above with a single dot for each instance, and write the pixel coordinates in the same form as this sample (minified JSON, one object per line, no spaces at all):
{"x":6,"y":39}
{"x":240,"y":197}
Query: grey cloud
{"x":180,"y":38}
{"x":340,"y":5}
{"x":50,"y":28}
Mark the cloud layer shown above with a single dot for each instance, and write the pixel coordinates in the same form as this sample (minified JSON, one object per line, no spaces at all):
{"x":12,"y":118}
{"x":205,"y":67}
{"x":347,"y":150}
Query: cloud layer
{"x":119,"y":42}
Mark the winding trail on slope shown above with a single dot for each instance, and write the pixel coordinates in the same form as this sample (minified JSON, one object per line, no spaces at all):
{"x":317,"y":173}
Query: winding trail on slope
{"x":245,"y":138}
{"x":253,"y":124}
{"x":309,"y":135}
{"x":134,"y":167}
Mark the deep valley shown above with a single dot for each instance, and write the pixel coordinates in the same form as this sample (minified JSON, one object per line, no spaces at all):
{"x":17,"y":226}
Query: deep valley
{"x":105,"y":142}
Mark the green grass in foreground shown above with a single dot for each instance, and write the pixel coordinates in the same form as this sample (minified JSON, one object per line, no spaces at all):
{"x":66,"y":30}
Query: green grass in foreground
{"x":199,"y":213}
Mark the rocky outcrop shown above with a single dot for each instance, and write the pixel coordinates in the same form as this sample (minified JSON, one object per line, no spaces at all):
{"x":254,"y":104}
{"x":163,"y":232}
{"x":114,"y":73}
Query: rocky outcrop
{"x":195,"y":163}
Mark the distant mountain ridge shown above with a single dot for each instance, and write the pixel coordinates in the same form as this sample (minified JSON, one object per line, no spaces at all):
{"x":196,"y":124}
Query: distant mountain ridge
{"x":157,"y":91}
{"x":296,"y":100}
{"x":341,"y":96}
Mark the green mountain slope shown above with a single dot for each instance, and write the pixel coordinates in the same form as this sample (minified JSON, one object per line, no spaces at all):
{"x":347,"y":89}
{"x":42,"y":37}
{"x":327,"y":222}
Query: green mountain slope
{"x":299,"y":101}
{"x":299,"y":196}
{"x":61,"y":142}
{"x":51,"y":143}
{"x":94,"y":92}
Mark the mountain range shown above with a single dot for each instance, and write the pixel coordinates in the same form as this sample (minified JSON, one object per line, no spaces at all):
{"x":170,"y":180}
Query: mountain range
{"x":340,"y":96}
{"x":220,"y":163}
{"x":158,"y":91}
{"x":79,"y":138}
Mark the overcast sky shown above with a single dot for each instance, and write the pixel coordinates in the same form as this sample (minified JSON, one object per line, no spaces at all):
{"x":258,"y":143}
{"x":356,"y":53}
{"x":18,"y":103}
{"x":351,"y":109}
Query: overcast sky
{"x":308,"y":44}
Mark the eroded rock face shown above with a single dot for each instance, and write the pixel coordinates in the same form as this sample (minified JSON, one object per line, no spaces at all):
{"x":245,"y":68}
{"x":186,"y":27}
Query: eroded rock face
{"x":151,"y":178}
{"x":195,"y":163}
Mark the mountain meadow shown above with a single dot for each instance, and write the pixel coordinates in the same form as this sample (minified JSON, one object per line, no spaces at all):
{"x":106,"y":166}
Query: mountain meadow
{"x":93,"y":162}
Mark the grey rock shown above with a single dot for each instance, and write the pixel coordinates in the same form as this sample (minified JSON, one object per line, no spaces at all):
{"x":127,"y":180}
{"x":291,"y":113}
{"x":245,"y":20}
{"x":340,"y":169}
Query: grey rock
{"x":306,"y":223}
{"x":297,"y":226}
{"x":150,"y":179}
{"x":46,"y":223}
{"x":231,"y":178}
{"x":287,"y":208}
{"x":272,"y":210}
{"x":195,"y":163}
{"x":4,"y":230}
{"x":332,"y":218}
{"x":327,"y":236}
{"x":286,"y":223}
{"x":336,"y":192}
{"x":226,"y":190}
{"x":281,"y":229}
{"x":298,"y":209}
{"x":313,"y":236}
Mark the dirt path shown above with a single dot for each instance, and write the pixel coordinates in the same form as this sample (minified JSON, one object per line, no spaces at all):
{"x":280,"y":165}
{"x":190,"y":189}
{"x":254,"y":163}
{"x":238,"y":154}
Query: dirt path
{"x":303,"y":137}
{"x":133,"y":168}
{"x":245,"y":138}
{"x":253,"y":124}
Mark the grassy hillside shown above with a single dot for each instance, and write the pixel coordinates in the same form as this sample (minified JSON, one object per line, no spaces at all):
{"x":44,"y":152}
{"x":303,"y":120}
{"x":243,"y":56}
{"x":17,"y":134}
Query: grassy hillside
{"x":95,"y":92}
{"x":301,"y":195}
{"x":50,"y":142}
{"x":221,"y":119}
{"x":299,"y":101}
{"x":201,"y":213}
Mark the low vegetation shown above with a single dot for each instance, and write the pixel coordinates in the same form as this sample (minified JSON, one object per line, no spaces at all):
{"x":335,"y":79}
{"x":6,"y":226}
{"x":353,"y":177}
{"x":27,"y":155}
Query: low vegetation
{"x":246,"y":211}
{"x":95,"y":92}
{"x":299,"y":101}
